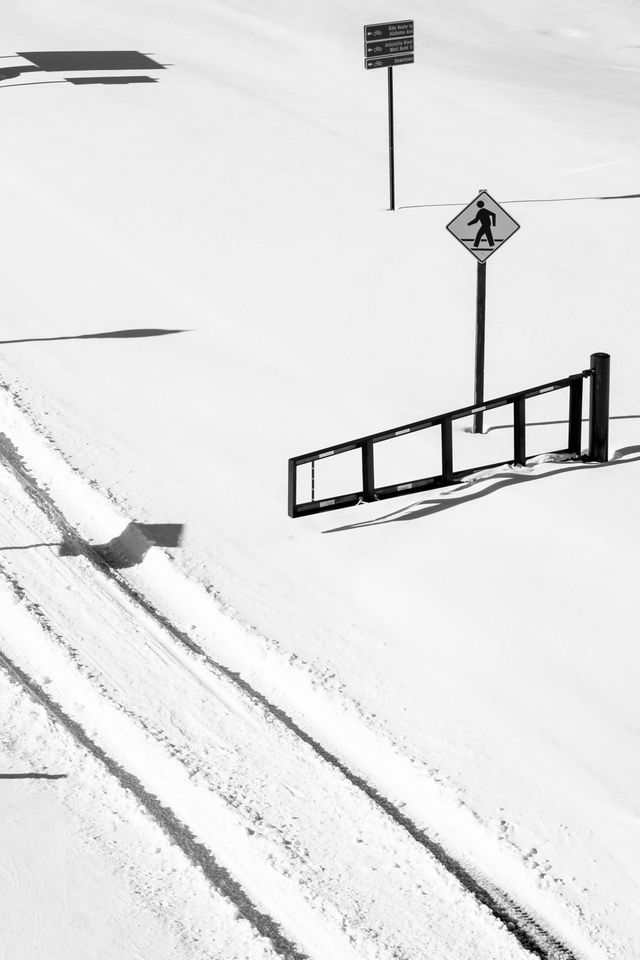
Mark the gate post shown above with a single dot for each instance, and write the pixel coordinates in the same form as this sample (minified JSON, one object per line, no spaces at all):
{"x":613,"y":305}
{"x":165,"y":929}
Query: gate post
{"x":519,"y":432}
{"x":446,"y":437}
{"x":599,"y":408}
{"x":292,"y":488}
{"x":575,"y":414}
{"x":368,"y":482}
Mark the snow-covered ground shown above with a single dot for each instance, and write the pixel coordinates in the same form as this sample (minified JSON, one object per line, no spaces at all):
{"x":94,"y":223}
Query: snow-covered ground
{"x":286,"y":717}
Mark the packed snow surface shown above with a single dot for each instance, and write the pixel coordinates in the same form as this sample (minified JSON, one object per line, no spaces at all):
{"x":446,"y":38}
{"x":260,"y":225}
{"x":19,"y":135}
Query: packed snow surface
{"x":242,"y":743}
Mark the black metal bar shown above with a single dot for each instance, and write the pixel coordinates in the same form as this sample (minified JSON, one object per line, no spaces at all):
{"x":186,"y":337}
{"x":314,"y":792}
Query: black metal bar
{"x":330,"y":451}
{"x":481,"y":298}
{"x":402,"y":489}
{"x":447,"y":450}
{"x":434,"y":421}
{"x":313,"y":479}
{"x":293,"y":474}
{"x":575,"y":415}
{"x":599,"y":408}
{"x":368,"y":482}
{"x":392,"y":175}
{"x":519,"y":431}
{"x":331,"y":503}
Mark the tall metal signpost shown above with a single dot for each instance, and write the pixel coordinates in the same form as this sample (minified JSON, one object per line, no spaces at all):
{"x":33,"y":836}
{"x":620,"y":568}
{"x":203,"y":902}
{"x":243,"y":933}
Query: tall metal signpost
{"x":389,"y":45}
{"x":482,"y":227}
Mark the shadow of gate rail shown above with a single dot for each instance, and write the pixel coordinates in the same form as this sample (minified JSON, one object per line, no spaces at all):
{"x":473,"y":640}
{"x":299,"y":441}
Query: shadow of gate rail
{"x":597,"y":373}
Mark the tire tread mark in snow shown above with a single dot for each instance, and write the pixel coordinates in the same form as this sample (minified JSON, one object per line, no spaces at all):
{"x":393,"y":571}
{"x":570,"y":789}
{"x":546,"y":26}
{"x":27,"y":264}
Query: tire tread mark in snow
{"x":525,"y":928}
{"x":177,"y":831}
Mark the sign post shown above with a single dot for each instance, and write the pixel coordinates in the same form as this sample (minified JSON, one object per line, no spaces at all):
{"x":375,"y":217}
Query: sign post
{"x":481,"y":299}
{"x":389,"y":45}
{"x":486,"y":216}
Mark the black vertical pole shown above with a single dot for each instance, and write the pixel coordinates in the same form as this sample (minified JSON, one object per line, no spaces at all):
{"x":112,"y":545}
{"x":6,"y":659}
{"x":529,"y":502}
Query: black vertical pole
{"x":392,"y":176}
{"x":368,"y":482}
{"x":575,"y":414}
{"x":481,"y":295}
{"x":599,"y":408}
{"x":519,"y":432}
{"x":447,"y":451}
{"x":293,"y":499}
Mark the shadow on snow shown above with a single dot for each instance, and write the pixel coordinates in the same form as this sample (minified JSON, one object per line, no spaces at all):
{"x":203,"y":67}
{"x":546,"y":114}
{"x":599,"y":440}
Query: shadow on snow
{"x":128,"y":549}
{"x":108,"y":335}
{"x":497,"y":481}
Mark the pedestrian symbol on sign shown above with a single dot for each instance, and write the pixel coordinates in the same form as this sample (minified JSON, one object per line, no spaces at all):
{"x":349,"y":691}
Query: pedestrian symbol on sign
{"x":486,"y":219}
{"x":494,"y":226}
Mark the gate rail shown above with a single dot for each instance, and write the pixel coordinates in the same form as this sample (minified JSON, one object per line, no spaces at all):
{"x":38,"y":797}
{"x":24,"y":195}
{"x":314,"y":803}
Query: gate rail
{"x":598,"y":373}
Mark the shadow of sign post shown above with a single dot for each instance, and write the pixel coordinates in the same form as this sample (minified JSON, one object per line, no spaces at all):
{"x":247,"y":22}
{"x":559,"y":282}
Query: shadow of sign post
{"x":74,"y":61}
{"x":131,"y":546}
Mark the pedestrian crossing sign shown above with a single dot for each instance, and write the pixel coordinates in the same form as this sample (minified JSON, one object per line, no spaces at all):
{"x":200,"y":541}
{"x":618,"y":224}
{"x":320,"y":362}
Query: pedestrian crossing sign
{"x":483,"y":226}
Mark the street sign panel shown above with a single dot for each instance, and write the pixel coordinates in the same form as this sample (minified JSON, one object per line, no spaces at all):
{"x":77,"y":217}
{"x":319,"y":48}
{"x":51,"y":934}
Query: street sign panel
{"x":483,"y":226}
{"x":375,"y":62}
{"x":388,"y":31}
{"x":387,"y":48}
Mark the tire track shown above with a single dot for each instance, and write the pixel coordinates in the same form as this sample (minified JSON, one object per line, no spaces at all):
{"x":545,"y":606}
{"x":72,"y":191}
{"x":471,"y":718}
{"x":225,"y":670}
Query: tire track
{"x":199,"y":855}
{"x":526,"y":929}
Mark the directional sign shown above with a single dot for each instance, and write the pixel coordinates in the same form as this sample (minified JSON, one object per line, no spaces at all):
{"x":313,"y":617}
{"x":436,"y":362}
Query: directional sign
{"x":375,"y":62}
{"x":392,"y":30}
{"x":388,"y":48}
{"x":388,"y":44}
{"x":483,"y":226}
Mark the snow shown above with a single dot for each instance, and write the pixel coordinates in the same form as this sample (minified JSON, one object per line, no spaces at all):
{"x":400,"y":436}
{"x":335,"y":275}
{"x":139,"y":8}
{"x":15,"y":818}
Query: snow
{"x":470,"y":653}
{"x":83,"y":872}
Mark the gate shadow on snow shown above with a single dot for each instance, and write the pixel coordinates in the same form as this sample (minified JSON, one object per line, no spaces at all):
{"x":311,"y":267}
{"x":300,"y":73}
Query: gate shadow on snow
{"x":497,"y":481}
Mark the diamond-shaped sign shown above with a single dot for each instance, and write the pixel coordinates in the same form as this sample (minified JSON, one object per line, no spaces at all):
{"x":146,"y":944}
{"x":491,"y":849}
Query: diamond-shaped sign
{"x":483,"y":226}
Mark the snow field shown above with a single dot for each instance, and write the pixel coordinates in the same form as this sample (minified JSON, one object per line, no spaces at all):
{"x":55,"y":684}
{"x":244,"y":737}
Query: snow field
{"x":487,"y":634}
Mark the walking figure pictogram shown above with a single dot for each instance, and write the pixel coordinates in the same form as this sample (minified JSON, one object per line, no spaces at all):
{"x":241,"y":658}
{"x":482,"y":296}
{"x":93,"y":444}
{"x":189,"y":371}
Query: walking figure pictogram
{"x":490,"y":218}
{"x":486,"y":219}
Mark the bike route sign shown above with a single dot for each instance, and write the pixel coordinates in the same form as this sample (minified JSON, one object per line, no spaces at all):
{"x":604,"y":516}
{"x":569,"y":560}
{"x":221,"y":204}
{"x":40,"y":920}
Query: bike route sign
{"x":388,"y":44}
{"x":483,"y":226}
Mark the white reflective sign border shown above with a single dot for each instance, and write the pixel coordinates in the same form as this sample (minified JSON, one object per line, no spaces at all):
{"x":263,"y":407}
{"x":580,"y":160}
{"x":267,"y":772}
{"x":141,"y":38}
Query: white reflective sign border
{"x":483,"y":226}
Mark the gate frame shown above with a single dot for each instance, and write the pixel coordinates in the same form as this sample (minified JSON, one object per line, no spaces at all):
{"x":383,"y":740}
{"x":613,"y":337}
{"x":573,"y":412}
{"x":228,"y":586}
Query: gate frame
{"x":598,"y":450}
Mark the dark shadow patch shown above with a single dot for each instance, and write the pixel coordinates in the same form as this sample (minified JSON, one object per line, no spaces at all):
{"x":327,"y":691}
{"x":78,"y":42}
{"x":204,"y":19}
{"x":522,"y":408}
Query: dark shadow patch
{"x":63,"y":61}
{"x":78,"y":81}
{"x":108,"y":335}
{"x":67,"y":61}
{"x":131,"y":546}
{"x":33,"y":776}
{"x":10,"y":73}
